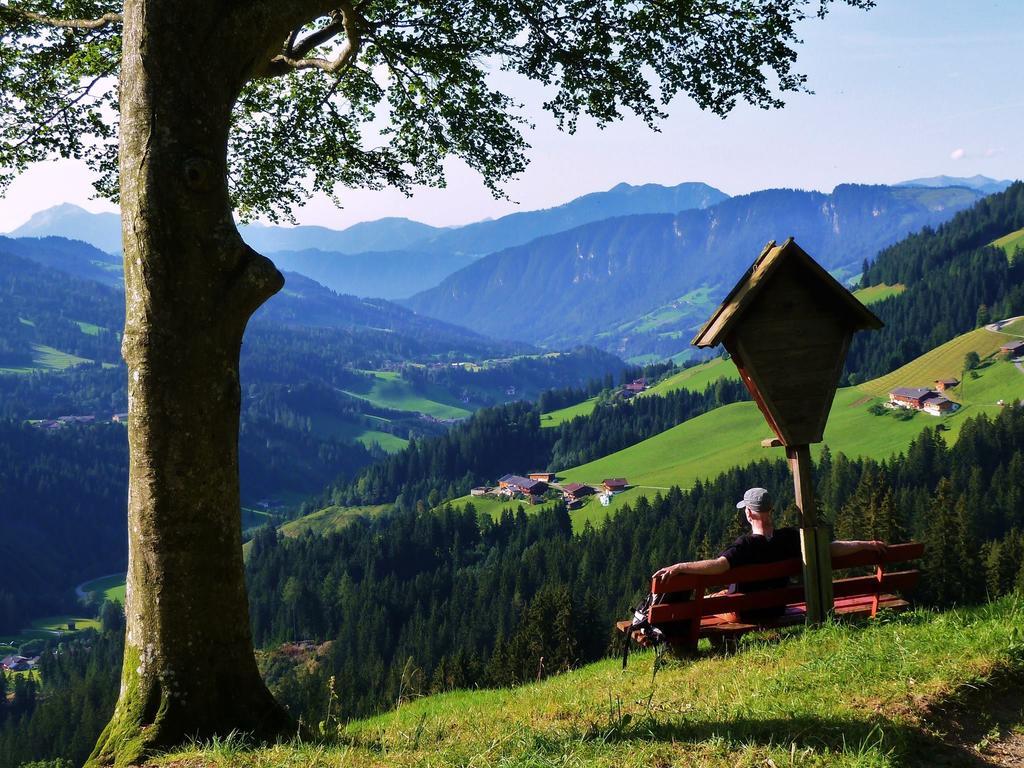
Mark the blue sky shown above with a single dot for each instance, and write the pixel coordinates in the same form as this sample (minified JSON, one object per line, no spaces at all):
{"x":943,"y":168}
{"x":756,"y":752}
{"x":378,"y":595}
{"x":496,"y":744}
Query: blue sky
{"x":912,"y":88}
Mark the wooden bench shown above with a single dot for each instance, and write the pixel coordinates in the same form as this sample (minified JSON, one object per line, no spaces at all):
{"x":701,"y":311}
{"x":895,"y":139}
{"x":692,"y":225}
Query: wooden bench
{"x":714,"y":616}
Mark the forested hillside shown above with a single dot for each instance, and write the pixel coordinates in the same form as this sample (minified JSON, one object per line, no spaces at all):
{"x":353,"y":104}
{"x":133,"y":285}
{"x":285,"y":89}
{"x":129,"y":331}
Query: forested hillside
{"x":510,"y":438}
{"x":463,"y":602}
{"x":640,"y":284}
{"x":62,"y":500}
{"x":954,"y":282}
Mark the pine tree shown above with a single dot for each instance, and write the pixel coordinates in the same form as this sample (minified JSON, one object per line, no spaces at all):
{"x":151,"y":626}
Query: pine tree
{"x":941,"y":547}
{"x":969,"y":588}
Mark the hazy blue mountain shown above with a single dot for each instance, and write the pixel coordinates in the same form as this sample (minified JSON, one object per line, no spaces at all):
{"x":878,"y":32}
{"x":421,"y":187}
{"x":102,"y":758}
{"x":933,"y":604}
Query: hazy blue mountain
{"x":73,"y":257}
{"x":389,"y":234}
{"x":622,"y":200}
{"x":101,"y":230}
{"x":391,"y":275}
{"x":302,"y":303}
{"x":639,"y":285}
{"x":978,"y":182}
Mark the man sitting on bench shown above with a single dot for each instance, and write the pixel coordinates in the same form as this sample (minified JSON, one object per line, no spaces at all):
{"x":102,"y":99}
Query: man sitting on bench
{"x":764,"y":544}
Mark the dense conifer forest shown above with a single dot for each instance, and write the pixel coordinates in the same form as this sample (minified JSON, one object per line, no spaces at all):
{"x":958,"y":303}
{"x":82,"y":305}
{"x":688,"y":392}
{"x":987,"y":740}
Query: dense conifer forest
{"x":425,"y":601}
{"x":510,"y":438}
{"x":954,"y":282}
{"x":64,"y":494}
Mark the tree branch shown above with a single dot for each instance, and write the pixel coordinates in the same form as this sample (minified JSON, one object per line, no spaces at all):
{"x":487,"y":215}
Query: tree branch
{"x":321,"y":36}
{"x":102,"y":21}
{"x":66,"y":108}
{"x":350,"y":22}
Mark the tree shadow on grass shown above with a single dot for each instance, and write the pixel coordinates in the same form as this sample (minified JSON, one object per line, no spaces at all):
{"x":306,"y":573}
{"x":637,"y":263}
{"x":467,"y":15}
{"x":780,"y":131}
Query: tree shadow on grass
{"x":905,"y":744}
{"x":944,"y":733}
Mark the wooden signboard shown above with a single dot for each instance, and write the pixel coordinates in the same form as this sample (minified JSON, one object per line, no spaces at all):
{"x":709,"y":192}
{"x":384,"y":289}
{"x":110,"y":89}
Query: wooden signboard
{"x":787,"y":325}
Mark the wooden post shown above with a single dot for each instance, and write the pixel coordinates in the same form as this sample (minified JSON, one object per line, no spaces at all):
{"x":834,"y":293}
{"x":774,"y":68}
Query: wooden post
{"x":814,"y":538}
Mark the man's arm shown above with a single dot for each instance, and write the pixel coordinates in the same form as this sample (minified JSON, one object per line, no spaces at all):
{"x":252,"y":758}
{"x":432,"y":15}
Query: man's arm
{"x":701,"y":567}
{"x":838,"y":548}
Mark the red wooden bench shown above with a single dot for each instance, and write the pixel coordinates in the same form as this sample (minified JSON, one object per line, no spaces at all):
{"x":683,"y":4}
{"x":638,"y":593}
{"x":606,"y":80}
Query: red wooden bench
{"x":701,"y":615}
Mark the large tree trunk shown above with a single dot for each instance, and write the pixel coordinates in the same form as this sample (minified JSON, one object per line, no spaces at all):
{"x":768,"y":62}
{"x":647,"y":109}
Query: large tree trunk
{"x":190,"y":286}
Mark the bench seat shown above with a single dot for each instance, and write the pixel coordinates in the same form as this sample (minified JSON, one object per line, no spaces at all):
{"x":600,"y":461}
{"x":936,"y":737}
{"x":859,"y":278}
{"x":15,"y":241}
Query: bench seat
{"x":714,"y":616}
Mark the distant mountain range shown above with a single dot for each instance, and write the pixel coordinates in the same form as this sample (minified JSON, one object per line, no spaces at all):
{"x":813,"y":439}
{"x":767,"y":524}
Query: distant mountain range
{"x":394,"y":257}
{"x":639,"y":285}
{"x":100,"y":230}
{"x":303,"y":303}
{"x":980,"y":183}
{"x":518,"y":228}
{"x":632,"y":269}
{"x":382,"y":274}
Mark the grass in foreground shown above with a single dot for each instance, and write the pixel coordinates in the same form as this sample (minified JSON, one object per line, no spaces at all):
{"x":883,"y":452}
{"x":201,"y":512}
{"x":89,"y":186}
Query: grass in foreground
{"x":851,"y":696}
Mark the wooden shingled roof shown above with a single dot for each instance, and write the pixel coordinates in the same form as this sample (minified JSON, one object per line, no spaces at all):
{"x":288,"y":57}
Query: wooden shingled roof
{"x":753,"y":281}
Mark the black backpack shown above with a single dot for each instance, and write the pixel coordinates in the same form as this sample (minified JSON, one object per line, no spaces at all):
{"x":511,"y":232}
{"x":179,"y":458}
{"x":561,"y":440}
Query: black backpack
{"x":652,"y":636}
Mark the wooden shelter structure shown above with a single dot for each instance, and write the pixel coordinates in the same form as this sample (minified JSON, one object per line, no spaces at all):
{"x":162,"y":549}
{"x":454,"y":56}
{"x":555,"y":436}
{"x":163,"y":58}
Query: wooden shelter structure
{"x":787,"y":325}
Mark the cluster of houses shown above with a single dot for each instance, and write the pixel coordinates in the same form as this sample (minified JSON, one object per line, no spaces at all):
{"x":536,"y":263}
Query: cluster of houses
{"x":19,"y":663}
{"x":928,"y":400}
{"x":534,"y":485}
{"x":65,"y":421}
{"x":635,"y":387}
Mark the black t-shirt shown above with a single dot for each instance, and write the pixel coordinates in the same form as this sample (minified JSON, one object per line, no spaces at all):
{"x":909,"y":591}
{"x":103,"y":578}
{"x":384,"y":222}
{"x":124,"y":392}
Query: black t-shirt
{"x":754,"y":549}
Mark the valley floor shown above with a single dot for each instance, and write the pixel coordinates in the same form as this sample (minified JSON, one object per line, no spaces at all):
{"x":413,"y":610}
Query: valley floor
{"x":936,"y":689}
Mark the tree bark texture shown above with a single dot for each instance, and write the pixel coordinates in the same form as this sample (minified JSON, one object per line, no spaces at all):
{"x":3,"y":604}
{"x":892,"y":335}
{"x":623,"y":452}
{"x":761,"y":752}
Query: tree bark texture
{"x":191,"y":285}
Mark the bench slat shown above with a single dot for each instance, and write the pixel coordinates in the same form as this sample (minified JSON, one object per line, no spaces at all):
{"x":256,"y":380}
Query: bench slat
{"x":896,"y":553}
{"x":770,"y":598}
{"x":796,"y":614}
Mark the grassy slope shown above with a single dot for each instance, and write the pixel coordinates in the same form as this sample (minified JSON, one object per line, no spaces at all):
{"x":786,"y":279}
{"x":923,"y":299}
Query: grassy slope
{"x":330,"y":519}
{"x":554,"y":418}
{"x":389,"y":390}
{"x":696,"y":379}
{"x":112,"y":587}
{"x":46,"y":358}
{"x":876,"y":293}
{"x":941,"y":362}
{"x":850,"y":696}
{"x":1011,"y":242}
{"x":728,"y":436}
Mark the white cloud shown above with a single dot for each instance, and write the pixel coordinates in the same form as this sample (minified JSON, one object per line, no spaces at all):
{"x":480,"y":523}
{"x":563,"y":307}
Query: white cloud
{"x":958,"y":154}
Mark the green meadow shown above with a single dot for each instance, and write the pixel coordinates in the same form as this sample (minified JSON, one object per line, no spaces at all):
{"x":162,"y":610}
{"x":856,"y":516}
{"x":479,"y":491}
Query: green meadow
{"x":731,"y":436}
{"x":880,"y":292}
{"x":947,"y":361}
{"x":388,"y":389}
{"x":878,"y":694}
{"x":1011,"y":242}
{"x":696,"y":379}
{"x":46,"y":358}
{"x":330,"y":424}
{"x":47,"y":628}
{"x":89,"y":329}
{"x":111,"y":587}
{"x":330,"y":519}
{"x":562,"y":415}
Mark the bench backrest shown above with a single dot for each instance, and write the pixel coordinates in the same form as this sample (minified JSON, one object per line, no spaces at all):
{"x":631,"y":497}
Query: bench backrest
{"x":881,"y":582}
